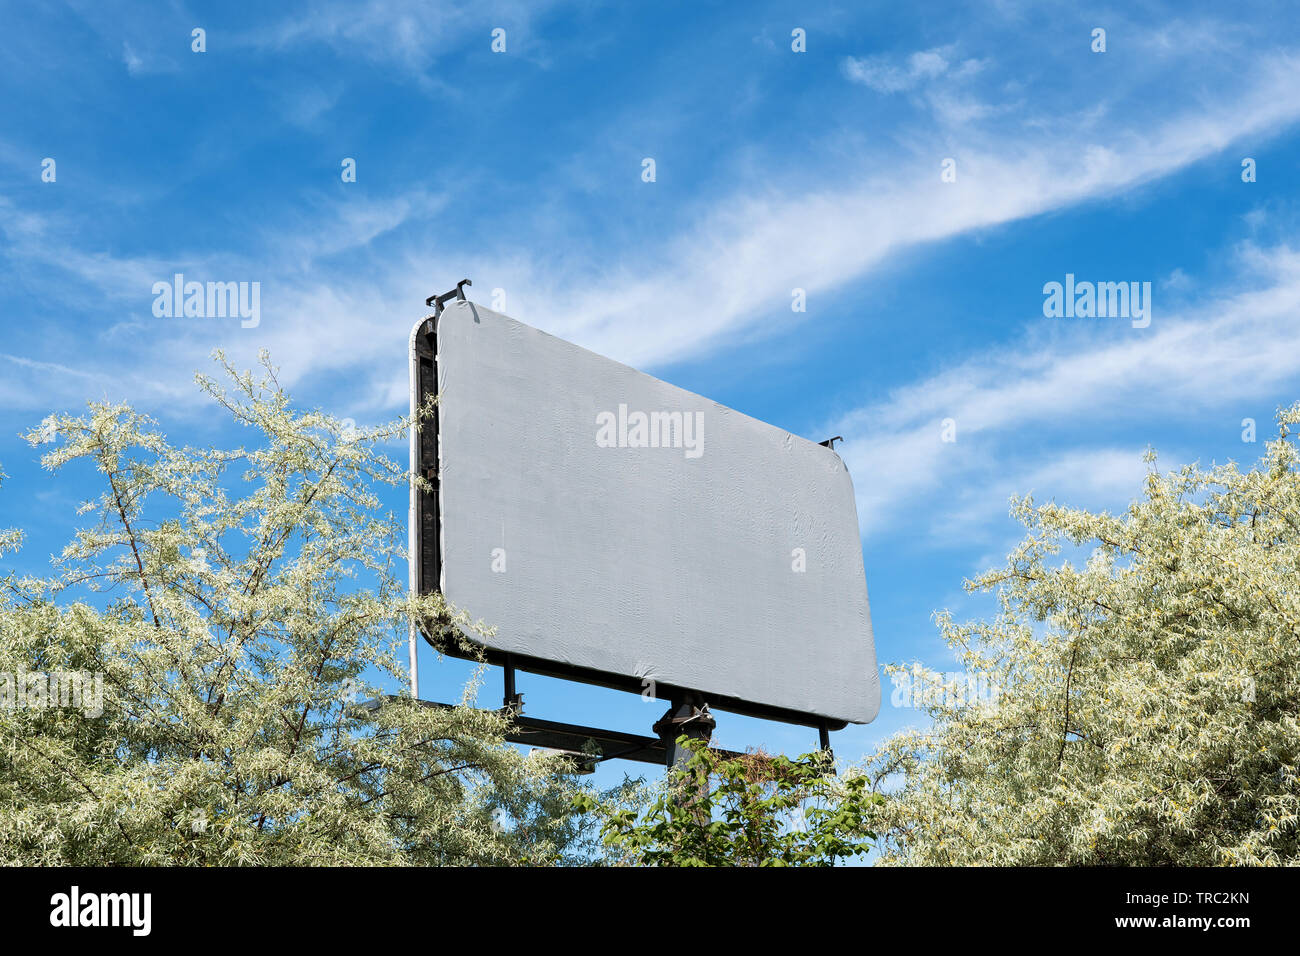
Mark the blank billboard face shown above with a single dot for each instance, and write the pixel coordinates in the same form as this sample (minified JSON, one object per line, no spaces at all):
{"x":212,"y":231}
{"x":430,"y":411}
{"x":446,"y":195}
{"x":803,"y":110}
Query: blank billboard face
{"x":606,"y":521}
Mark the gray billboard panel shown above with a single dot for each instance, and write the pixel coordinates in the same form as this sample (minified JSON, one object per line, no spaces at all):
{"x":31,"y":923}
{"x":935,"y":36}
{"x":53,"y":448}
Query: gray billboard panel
{"x":628,"y":531}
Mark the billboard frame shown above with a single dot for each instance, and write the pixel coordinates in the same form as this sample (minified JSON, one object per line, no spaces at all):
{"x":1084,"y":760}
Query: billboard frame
{"x":425,"y":565}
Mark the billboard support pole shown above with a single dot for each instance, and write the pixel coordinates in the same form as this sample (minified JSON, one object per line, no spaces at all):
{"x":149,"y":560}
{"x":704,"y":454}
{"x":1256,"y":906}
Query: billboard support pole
{"x":824,"y":739}
{"x":415,"y":661}
{"x":689,"y":715}
{"x":412,"y":526}
{"x":513,"y":702}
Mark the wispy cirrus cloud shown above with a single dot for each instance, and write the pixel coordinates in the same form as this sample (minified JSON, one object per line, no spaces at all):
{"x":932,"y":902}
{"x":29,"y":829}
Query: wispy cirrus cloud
{"x":139,"y":64}
{"x":409,"y":36}
{"x":735,"y":260}
{"x":1037,"y":419}
{"x":736,"y":263}
{"x":890,"y":74}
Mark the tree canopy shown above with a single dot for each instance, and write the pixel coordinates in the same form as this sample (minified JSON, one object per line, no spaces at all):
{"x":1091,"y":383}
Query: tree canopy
{"x":1149,"y":688}
{"x":237,"y":605}
{"x":227,"y":611}
{"x":753,"y":810}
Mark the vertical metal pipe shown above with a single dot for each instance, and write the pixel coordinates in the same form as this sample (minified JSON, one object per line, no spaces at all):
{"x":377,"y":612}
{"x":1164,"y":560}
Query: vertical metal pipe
{"x":511,"y":697}
{"x":412,"y":528}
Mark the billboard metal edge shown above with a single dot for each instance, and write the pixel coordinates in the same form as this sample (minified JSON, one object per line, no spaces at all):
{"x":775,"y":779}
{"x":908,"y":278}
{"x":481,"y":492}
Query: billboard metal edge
{"x":425,"y":564}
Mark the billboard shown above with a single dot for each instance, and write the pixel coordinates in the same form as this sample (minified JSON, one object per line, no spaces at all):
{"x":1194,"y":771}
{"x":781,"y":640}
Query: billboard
{"x":619,"y":530}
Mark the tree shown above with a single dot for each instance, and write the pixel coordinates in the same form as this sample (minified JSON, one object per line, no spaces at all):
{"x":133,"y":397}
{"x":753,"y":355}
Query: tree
{"x":236,"y":606}
{"x":753,"y":810}
{"x":1148,"y":696}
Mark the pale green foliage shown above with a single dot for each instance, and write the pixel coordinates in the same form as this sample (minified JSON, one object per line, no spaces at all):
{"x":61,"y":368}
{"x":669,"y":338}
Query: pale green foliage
{"x":751,"y":810}
{"x":10,"y":538}
{"x":1150,"y":697}
{"x":245,"y":592}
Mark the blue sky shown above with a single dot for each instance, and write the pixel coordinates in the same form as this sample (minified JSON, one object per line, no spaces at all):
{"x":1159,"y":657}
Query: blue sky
{"x":775,"y":170}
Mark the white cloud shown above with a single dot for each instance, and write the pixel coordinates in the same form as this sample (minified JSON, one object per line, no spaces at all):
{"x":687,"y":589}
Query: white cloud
{"x":142,"y":65}
{"x":969,"y":508}
{"x":406,"y":35}
{"x":888,"y":75}
{"x":733,"y":270}
{"x":728,"y":274}
{"x":134,"y":64}
{"x":1016,"y":408}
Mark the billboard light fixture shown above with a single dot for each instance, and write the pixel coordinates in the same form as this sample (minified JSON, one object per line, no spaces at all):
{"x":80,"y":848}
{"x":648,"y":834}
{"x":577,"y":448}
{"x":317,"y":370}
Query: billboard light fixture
{"x":438,"y":301}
